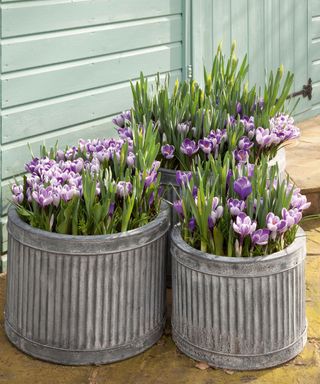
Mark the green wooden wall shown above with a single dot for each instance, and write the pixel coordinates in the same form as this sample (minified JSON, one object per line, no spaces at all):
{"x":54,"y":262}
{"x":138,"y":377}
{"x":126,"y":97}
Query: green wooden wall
{"x":65,"y":64}
{"x":271,"y":32}
{"x":65,"y":68}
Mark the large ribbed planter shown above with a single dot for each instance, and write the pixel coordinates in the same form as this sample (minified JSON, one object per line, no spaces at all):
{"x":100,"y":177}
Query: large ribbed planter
{"x":85,"y":299}
{"x":239,"y":313}
{"x":168,"y":179}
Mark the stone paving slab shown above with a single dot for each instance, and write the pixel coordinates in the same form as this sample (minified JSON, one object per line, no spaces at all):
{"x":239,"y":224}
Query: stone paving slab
{"x":164,"y":364}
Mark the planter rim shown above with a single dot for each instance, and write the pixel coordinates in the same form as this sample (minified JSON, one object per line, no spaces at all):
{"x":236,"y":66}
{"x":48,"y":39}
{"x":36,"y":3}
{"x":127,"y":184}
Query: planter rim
{"x":196,"y":253}
{"x":79,"y":244}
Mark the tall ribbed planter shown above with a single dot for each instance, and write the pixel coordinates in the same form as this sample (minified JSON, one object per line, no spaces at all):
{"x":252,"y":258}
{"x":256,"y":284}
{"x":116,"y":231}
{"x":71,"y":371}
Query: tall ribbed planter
{"x":85,"y":299}
{"x":239,"y":313}
{"x":168,"y":179}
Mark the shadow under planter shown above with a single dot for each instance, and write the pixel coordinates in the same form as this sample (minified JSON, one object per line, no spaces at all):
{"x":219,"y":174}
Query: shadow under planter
{"x":239,"y":313}
{"x":85,"y":299}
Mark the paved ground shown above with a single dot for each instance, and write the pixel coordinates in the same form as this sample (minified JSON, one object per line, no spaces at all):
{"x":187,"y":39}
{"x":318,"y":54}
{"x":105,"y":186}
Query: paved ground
{"x":303,"y":161}
{"x":163,"y":364}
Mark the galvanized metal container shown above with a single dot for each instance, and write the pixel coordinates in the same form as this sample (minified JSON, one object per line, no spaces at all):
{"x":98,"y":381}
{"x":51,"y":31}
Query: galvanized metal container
{"x":85,"y":299}
{"x":239,"y":313}
{"x":168,"y":179}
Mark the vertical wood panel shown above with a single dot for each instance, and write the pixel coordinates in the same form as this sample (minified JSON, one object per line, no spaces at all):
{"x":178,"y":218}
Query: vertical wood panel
{"x":256,"y":52}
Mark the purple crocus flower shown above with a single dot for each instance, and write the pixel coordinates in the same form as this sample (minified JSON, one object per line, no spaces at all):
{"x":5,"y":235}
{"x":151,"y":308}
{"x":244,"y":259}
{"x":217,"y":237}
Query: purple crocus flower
{"x":125,"y":133}
{"x":265,"y":138}
{"x":124,"y":188}
{"x":299,"y":201}
{"x":242,"y":187}
{"x":150,"y":179}
{"x":291,"y":216}
{"x":184,"y":127}
{"x":17,"y":193}
{"x":206,"y":145}
{"x":260,"y":237}
{"x":194,"y":191}
{"x":236,"y":206}
{"x":238,"y":108}
{"x":177,"y":205}
{"x":111,"y":209}
{"x":183,"y":178}
{"x":120,"y":120}
{"x":156,"y":165}
{"x":151,"y":199}
{"x":43,"y":196}
{"x":60,"y":155}
{"x":275,"y":225}
{"x":189,"y":147}
{"x":245,"y":143}
{"x":244,"y":226}
{"x":241,"y":156}
{"x":192,"y":224}
{"x":167,"y":151}
{"x":130,"y":160}
{"x":283,"y":127}
{"x":216,"y":213}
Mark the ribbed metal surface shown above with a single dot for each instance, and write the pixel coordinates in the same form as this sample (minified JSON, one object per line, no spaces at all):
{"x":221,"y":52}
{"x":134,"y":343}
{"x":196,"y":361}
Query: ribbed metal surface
{"x":168,"y":180}
{"x":100,"y":307}
{"x":243,"y":315}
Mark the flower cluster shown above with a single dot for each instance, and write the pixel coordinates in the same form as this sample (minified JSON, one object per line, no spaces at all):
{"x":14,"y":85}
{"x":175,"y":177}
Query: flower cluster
{"x":223,"y":116}
{"x":93,"y":188}
{"x":226,"y":211}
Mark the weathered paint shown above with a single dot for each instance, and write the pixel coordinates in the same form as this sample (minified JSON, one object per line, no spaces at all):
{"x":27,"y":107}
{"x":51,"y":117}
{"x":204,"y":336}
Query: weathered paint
{"x":66,"y":66}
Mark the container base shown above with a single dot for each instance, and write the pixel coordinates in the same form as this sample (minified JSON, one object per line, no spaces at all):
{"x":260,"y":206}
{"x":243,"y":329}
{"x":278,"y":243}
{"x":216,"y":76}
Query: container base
{"x":83,"y":357}
{"x":240,"y":362}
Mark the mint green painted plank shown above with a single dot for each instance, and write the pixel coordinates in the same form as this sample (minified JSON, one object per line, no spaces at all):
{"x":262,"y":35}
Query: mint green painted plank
{"x":315,"y":28}
{"x":287,"y":34}
{"x":16,"y":154}
{"x":202,"y":49}
{"x":43,"y":16}
{"x":239,"y":26}
{"x":47,"y":49}
{"x":31,"y":85}
{"x":50,"y":115}
{"x":300,"y":50}
{"x":316,"y":94}
{"x":256,"y":52}
{"x":221,"y":30}
{"x":315,"y":50}
{"x":314,"y":7}
{"x":274,"y":20}
{"x":315,"y":71}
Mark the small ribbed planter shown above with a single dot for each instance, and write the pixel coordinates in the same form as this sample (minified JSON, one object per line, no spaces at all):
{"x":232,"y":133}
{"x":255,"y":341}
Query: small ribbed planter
{"x":168,"y":179}
{"x":239,"y":313}
{"x":85,"y":299}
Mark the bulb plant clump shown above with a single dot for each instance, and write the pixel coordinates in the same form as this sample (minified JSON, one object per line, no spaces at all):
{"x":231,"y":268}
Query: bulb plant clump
{"x":231,"y":209}
{"x":225,"y":116}
{"x":98,"y":187}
